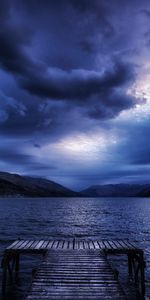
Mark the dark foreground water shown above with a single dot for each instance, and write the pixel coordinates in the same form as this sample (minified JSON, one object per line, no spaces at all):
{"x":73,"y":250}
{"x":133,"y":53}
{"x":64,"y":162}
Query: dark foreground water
{"x":89,"y":218}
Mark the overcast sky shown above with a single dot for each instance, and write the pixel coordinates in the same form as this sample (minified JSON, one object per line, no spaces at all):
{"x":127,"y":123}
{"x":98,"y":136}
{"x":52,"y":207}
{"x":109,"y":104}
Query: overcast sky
{"x":75,"y":90}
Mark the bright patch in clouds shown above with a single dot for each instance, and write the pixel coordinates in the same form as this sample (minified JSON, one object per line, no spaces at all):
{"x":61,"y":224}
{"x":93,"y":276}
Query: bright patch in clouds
{"x":141,"y":91}
{"x":80,"y":147}
{"x":83,"y":146}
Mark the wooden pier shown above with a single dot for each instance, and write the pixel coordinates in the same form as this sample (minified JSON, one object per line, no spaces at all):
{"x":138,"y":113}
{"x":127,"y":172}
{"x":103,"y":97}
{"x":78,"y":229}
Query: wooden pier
{"x":74,"y":269}
{"x":75,"y":274}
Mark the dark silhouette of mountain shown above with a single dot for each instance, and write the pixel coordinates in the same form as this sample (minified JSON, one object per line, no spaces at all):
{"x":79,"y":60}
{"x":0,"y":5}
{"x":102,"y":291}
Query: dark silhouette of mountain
{"x":117,"y":190}
{"x":16,"y":185}
{"x":145,"y":192}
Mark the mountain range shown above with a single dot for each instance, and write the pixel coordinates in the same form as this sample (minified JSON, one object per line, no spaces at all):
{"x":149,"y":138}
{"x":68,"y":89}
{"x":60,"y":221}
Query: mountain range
{"x":117,"y":190}
{"x":25,"y":186}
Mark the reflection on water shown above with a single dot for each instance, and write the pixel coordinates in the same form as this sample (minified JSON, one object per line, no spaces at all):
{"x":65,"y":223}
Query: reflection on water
{"x":93,"y":218}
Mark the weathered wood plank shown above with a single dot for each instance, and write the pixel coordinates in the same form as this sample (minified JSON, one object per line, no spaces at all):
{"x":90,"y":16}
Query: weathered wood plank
{"x":40,"y":243}
{"x":34,"y":245}
{"x":70,"y":246}
{"x":60,"y":244}
{"x":91,"y":246}
{"x":76,"y":245}
{"x":17,"y":245}
{"x":122,"y":245}
{"x":129,"y":245}
{"x":22,"y":245}
{"x":50,"y":244}
{"x":13,"y":245}
{"x":81,"y":245}
{"x":27,"y":245}
{"x":101,"y":245}
{"x":107,"y":245}
{"x":65,"y":245}
{"x":55,"y":244}
{"x":44,"y":245}
{"x":117,"y":245}
{"x":86,"y":245}
{"x":112,"y":245}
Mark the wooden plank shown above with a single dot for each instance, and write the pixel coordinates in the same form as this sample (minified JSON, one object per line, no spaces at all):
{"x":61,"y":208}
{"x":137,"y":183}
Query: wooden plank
{"x":60,"y":245}
{"x":34,"y":244}
{"x":76,"y":245}
{"x":96,"y":245}
{"x":86,"y":245}
{"x":55,"y":245}
{"x":70,"y":246}
{"x":112,"y":245}
{"x":22,"y":245}
{"x":81,"y":245}
{"x":40,"y":243}
{"x":117,"y":245}
{"x":44,"y":245}
{"x":123,"y":245}
{"x":27,"y":245}
{"x":65,"y":245}
{"x":91,"y":246}
{"x":130,"y":245}
{"x":107,"y":245}
{"x":13,"y":245}
{"x":17,"y":246}
{"x":50,"y":244}
{"x":31,"y":244}
{"x":101,"y":245}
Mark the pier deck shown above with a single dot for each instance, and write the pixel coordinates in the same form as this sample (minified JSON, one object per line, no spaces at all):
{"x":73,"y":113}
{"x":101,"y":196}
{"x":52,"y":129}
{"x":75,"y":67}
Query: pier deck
{"x":74,"y":269}
{"x":74,"y":274}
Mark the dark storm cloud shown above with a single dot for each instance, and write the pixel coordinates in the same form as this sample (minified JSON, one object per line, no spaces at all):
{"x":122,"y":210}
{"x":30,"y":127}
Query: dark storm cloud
{"x":37,"y":146}
{"x":96,"y":90}
{"x":18,"y":119}
{"x":38,"y":121}
{"x":13,"y":58}
{"x":54,"y":83}
{"x":97,"y":93}
{"x":14,"y":156}
{"x":78,"y":84}
{"x":115,"y":102}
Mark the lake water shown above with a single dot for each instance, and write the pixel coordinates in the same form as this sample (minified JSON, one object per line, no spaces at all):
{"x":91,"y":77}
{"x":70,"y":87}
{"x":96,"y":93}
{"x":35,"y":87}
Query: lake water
{"x":89,"y":218}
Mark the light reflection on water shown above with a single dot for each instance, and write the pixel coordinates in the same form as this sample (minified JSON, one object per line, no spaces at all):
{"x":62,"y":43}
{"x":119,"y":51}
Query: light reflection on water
{"x":93,"y":218}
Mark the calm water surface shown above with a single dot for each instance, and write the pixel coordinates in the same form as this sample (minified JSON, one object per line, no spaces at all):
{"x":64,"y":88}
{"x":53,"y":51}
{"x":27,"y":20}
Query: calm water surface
{"x":93,"y":218}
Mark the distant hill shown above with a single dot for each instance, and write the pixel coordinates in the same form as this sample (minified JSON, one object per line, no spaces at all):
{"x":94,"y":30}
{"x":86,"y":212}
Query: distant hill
{"x":117,"y":190}
{"x":25,"y":186}
{"x":16,"y":185}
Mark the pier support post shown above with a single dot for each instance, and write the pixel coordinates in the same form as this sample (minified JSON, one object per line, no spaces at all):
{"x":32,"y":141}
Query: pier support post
{"x":4,"y":276}
{"x":142,"y":266}
{"x":130,"y":264}
{"x":136,"y":265}
{"x":17,"y":266}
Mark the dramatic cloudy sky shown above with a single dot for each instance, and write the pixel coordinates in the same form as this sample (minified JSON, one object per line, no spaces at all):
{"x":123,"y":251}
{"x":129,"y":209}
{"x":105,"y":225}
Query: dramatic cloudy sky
{"x":75,"y":90}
